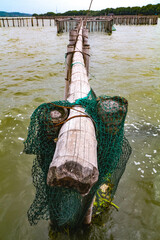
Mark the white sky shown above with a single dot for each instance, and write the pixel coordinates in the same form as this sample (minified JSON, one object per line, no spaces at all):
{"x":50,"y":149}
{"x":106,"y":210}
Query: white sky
{"x":43,"y":6}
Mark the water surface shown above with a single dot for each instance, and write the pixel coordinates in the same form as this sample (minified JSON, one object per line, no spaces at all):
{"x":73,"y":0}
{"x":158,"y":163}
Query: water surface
{"x":127,"y":63}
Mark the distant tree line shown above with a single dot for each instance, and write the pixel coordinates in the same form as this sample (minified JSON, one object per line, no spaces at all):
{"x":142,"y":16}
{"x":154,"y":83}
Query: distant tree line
{"x":14,"y":14}
{"x":145,"y":10}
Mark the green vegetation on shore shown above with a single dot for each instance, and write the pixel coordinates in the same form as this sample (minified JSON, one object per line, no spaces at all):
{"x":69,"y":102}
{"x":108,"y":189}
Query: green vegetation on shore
{"x":145,"y":10}
{"x":14,"y":14}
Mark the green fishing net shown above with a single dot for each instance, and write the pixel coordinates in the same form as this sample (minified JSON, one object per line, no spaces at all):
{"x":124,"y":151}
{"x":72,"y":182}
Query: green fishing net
{"x":66,"y":206}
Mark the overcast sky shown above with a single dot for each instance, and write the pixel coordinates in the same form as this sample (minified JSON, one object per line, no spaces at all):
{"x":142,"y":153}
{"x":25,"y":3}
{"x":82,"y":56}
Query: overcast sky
{"x":43,"y":6}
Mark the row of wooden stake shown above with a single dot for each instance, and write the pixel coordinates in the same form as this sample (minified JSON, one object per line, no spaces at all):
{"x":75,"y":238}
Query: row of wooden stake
{"x":24,"y":22}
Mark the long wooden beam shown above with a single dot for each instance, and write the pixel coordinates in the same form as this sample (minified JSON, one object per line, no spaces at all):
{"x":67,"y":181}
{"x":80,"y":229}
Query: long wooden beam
{"x":74,"y":163}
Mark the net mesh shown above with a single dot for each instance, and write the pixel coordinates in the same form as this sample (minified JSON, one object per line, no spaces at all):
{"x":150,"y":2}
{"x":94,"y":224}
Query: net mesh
{"x":66,"y":206}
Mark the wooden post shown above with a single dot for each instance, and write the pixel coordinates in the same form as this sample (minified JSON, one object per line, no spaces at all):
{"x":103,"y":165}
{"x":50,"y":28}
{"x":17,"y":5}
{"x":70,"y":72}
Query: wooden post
{"x":86,"y":48}
{"x":37,"y":22}
{"x":89,"y":26}
{"x":0,"y":23}
{"x":32,"y":22}
{"x":72,"y":37}
{"x":70,"y":49}
{"x":23,"y":22}
{"x":18,"y":22}
{"x":60,"y":27}
{"x":156,"y":20}
{"x":27,"y":21}
{"x":70,"y":26}
{"x":65,"y":25}
{"x":88,"y":216}
{"x":13,"y":22}
{"x":92,"y":26}
{"x":106,"y":26}
{"x":85,"y":36}
{"x":98,"y":26}
{"x":3,"y":22}
{"x":7,"y":22}
{"x":74,"y":162}
{"x":57,"y":27}
{"x":42,"y":22}
{"x":147,"y":20}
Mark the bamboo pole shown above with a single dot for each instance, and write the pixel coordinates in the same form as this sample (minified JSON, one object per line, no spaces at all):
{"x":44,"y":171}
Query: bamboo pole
{"x":74,"y":162}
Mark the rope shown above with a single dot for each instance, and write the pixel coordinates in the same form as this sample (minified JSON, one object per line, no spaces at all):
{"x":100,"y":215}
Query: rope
{"x":72,"y":107}
{"x":70,"y":119}
{"x":77,"y":51}
{"x":77,"y":63}
{"x":88,"y":12}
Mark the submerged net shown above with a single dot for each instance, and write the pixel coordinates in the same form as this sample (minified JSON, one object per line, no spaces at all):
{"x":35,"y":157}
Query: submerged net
{"x":66,"y":206}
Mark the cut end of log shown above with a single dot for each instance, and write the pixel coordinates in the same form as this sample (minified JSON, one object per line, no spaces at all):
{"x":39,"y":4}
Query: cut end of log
{"x":73,"y":175}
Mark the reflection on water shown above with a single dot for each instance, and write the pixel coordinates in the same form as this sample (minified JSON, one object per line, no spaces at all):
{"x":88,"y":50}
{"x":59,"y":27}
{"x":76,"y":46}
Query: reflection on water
{"x":126,"y":63}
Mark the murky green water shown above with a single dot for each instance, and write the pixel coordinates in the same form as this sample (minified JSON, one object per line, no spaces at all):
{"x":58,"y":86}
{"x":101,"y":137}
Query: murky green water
{"x":127,"y":63}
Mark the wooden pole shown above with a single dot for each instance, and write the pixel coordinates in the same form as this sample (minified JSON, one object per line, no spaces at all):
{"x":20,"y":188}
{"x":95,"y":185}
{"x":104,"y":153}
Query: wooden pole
{"x":3,"y":22}
{"x":37,"y":22}
{"x":57,"y":26}
{"x":70,"y":49}
{"x":18,"y":22}
{"x":13,"y":22}
{"x":74,"y":162}
{"x":7,"y":22}
{"x":27,"y":21}
{"x":42,"y":22}
{"x":23,"y":22}
{"x":73,"y":37}
{"x":88,"y":216}
{"x":0,"y":23}
{"x":32,"y":22}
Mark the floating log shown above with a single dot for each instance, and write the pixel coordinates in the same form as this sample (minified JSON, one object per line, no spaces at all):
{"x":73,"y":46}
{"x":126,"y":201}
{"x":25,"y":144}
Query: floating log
{"x":74,"y":162}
